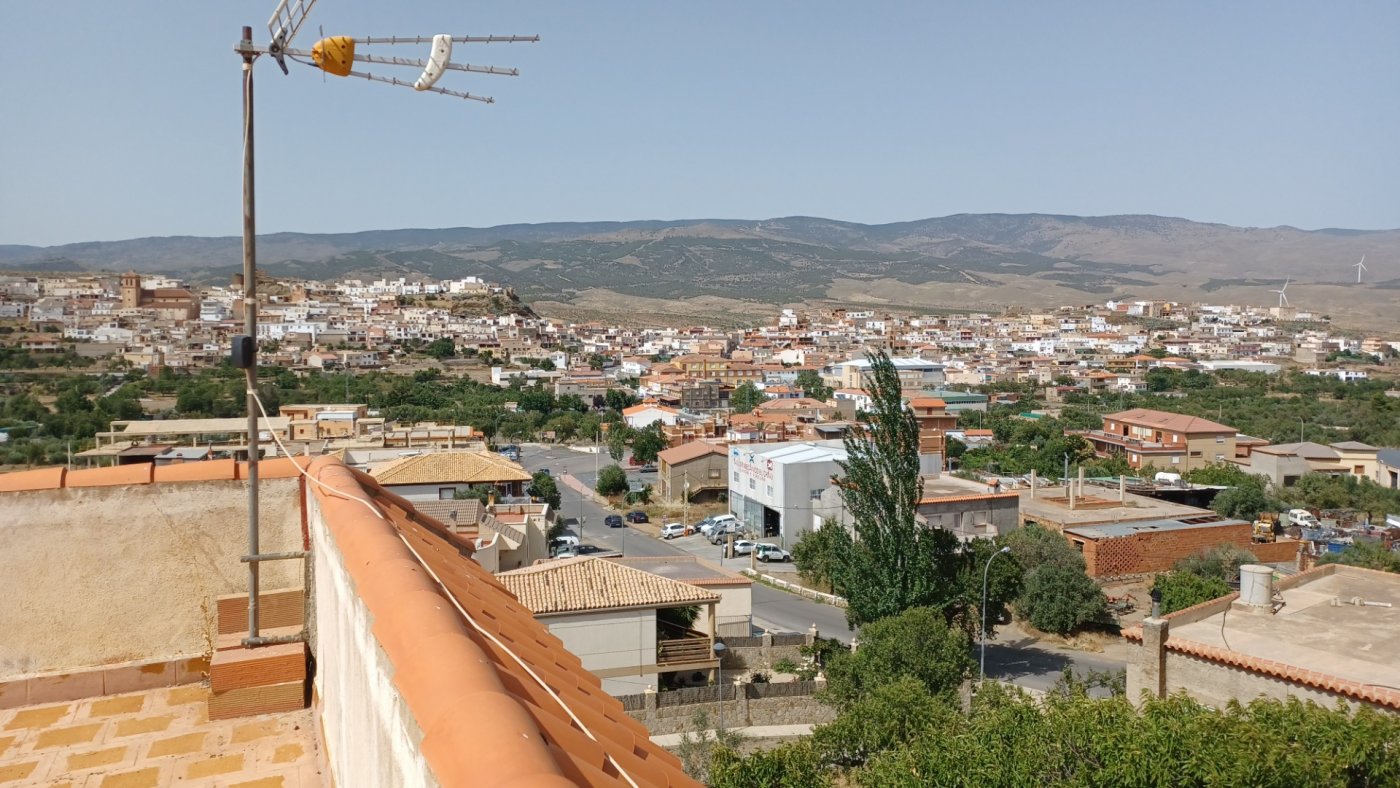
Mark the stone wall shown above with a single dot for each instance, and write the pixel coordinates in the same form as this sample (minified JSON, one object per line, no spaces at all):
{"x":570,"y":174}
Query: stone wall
{"x":744,"y":706}
{"x":748,"y":654}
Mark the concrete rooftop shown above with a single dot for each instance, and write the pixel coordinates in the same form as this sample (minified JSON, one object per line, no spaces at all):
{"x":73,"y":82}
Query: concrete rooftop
{"x":156,"y":738}
{"x":1050,"y":509}
{"x":1349,"y":642}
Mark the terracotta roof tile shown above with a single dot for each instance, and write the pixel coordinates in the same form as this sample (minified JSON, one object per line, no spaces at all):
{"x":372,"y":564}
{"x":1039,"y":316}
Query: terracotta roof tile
{"x":584,"y":583}
{"x":200,"y":471}
{"x":37,"y":479}
{"x":114,"y":476}
{"x":689,"y":451}
{"x":451,"y":467}
{"x":278,"y":468}
{"x":486,"y":720}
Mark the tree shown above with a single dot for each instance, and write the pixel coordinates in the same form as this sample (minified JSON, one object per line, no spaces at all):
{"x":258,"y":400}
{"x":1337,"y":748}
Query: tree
{"x":894,"y":563}
{"x":618,"y":436}
{"x":816,"y":554}
{"x":441,"y":348}
{"x":612,"y":480}
{"x":1061,"y":600}
{"x":1181,"y":590}
{"x":746,"y":397}
{"x":812,"y":385}
{"x":618,"y":400}
{"x":699,"y":746}
{"x":543,"y":486}
{"x":597,"y":361}
{"x":1367,"y":555}
{"x":647,"y":443}
{"x":476,"y":492}
{"x":917,"y":643}
{"x":882,"y":719}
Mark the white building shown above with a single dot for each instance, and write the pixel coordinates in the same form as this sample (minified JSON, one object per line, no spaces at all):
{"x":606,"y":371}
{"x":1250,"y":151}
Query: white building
{"x":777,"y":489}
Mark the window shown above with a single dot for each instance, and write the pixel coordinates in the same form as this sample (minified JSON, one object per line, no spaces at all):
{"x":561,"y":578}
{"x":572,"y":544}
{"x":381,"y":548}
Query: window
{"x":770,"y":491}
{"x":1219,"y":438}
{"x":1176,"y":460}
{"x":1078,"y":545}
{"x":714,"y":473}
{"x":1359,"y":470}
{"x":814,"y":494}
{"x":736,"y":476}
{"x":1219,"y":457}
{"x":1195,"y":454}
{"x":753,"y":485}
{"x":446,"y":493}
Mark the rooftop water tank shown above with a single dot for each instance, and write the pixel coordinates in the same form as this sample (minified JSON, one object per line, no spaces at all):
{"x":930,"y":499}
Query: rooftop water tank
{"x":1256,"y":585}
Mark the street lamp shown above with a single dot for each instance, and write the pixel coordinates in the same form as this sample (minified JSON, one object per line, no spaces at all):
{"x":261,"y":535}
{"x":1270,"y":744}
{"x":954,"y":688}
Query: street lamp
{"x":983,"y":674}
{"x":719,"y":681}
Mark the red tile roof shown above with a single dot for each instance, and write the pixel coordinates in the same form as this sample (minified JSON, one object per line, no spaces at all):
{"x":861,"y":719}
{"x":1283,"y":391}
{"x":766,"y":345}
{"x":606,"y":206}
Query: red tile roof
{"x":498,"y":697}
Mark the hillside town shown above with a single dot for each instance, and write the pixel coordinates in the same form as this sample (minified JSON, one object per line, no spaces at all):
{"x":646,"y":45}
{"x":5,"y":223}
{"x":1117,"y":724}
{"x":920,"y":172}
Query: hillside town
{"x":676,"y":509}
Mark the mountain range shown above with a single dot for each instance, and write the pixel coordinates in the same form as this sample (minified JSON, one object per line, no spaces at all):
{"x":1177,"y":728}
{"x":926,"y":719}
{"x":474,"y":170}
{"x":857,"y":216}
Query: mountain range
{"x":679,"y":268}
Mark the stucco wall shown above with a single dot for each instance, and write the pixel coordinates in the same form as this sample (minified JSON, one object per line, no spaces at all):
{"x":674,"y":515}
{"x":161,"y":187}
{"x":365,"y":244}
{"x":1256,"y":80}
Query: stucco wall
{"x":370,"y":736}
{"x":102,"y":575}
{"x":624,"y":639}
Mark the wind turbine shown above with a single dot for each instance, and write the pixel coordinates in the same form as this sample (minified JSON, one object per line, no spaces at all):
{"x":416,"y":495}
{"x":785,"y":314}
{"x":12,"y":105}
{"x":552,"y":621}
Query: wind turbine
{"x":333,"y":55}
{"x":1283,"y":292}
{"x":1361,"y":266}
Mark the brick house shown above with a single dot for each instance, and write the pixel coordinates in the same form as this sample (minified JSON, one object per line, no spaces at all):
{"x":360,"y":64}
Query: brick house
{"x":1167,"y":441}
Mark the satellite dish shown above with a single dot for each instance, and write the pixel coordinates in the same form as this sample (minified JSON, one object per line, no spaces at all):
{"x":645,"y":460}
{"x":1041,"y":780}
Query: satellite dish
{"x":437,"y":62}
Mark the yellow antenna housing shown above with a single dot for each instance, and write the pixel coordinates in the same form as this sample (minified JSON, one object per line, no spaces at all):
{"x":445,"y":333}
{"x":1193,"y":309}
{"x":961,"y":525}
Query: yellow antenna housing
{"x":334,"y":55}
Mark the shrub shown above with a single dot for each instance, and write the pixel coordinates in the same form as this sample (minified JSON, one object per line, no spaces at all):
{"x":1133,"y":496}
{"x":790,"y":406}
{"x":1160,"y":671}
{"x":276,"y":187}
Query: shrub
{"x":612,"y":480}
{"x":1060,"y":599}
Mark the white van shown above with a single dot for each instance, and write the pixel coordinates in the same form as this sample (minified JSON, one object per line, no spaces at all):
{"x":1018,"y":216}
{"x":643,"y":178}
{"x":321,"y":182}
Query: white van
{"x":723,"y":522}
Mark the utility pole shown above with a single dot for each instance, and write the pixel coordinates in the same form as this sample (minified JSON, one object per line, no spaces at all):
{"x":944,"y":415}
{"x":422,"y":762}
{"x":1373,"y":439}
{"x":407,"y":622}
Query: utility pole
{"x":250,"y":325}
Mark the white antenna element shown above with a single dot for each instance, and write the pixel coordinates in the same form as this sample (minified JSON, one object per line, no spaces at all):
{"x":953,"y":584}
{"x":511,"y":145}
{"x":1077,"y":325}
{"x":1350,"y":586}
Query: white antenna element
{"x":286,"y":20}
{"x":438,"y":57}
{"x":1283,"y":292}
{"x":1361,"y":266}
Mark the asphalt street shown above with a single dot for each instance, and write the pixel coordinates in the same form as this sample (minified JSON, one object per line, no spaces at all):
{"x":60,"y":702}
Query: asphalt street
{"x":1017,"y":659}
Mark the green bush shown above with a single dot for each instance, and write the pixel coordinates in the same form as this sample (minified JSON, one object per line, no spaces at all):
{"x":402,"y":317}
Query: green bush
{"x":917,"y":643}
{"x":1181,"y":590}
{"x":1061,"y":600}
{"x":612,"y":480}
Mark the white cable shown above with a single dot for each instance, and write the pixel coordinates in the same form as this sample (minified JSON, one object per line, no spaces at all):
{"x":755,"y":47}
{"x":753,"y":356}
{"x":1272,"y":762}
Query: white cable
{"x":517,"y":659}
{"x":449,"y":595}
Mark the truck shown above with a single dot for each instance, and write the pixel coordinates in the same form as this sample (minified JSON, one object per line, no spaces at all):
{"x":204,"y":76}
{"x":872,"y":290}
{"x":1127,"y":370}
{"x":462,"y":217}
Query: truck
{"x":1301,"y":518}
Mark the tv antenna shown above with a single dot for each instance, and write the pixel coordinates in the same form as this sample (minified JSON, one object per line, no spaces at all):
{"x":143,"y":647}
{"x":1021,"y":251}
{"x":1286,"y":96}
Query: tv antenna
{"x":1361,"y":266}
{"x":1283,"y":293}
{"x":334,"y":55}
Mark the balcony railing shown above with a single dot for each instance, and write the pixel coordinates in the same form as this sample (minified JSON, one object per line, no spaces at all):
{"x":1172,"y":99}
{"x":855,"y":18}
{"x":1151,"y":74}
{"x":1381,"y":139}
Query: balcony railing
{"x":1131,"y":443}
{"x":675,"y":645}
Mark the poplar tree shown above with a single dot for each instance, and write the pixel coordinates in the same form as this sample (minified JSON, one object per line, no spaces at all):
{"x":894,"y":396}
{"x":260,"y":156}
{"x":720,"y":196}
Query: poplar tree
{"x":894,"y":563}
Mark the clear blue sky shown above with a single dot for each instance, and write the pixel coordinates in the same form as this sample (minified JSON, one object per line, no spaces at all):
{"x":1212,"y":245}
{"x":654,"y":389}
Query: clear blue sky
{"x":121,"y":119}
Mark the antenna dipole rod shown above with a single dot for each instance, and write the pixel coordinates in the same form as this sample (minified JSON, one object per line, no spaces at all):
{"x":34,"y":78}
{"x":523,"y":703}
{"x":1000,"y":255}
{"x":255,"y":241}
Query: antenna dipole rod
{"x":455,"y":40}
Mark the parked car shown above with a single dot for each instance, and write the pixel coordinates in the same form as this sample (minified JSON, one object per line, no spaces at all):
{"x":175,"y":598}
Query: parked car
{"x":647,"y":469}
{"x":721,"y":530}
{"x":545,"y":471}
{"x":770,"y":552}
{"x":672,"y":530}
{"x":637,"y":516}
{"x":614,"y":521}
{"x":708,"y":525}
{"x":568,"y":552}
{"x":744,"y":547}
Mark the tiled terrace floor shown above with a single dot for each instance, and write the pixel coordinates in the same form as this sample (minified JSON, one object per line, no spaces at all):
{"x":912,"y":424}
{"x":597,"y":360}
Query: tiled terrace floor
{"x":155,"y":738}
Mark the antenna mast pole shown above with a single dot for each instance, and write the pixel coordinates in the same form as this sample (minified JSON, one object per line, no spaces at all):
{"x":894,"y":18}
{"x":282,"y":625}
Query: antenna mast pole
{"x":250,"y":322}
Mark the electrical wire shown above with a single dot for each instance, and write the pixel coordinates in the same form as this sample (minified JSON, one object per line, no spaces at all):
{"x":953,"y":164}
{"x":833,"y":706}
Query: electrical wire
{"x":518,"y":660}
{"x":465,"y":615}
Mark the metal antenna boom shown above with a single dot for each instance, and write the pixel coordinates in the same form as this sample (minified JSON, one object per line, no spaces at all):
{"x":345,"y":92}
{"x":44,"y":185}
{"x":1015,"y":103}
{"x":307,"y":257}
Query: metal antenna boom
{"x":403,"y":61}
{"x":286,"y":20}
{"x":455,"y":40}
{"x":443,"y":91}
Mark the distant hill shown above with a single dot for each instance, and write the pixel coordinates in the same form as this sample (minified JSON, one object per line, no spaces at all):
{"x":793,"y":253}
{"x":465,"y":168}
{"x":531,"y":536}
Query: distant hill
{"x":1032,"y":259}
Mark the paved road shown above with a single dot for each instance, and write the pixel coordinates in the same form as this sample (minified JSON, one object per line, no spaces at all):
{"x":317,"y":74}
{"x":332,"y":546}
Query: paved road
{"x":1012,"y":657}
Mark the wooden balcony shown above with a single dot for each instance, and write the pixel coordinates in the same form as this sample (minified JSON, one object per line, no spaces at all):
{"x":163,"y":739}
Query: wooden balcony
{"x":675,"y":646}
